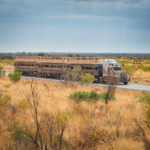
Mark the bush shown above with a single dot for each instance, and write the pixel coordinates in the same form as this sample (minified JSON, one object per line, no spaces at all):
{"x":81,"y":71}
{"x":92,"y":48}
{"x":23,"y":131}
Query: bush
{"x":15,"y":77}
{"x":19,"y":133}
{"x":94,"y":95}
{"x":87,"y":96}
{"x":4,"y":100}
{"x":87,"y":78}
{"x":80,"y":95}
{"x":103,"y":96}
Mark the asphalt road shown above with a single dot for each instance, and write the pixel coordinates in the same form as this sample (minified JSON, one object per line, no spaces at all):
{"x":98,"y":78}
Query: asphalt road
{"x":121,"y":86}
{"x":135,"y":87}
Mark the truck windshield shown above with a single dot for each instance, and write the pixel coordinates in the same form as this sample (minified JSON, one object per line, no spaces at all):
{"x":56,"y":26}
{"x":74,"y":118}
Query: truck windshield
{"x":117,"y":68}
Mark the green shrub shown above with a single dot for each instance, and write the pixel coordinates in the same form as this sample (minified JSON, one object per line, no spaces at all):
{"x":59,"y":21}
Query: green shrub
{"x":94,"y":95}
{"x":77,"y":68}
{"x":82,"y":95}
{"x":103,"y":96}
{"x":15,"y":77}
{"x":87,"y":78}
{"x":87,"y":96}
{"x":19,"y":133}
{"x":4,"y":100}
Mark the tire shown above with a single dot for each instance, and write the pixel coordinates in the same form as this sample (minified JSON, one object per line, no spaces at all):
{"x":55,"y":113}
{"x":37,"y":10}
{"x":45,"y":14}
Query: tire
{"x":125,"y":83}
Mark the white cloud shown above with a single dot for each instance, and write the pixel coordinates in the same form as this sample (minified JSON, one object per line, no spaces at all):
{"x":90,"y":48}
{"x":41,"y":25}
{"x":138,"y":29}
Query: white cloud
{"x":80,"y":16}
{"x":110,"y":3}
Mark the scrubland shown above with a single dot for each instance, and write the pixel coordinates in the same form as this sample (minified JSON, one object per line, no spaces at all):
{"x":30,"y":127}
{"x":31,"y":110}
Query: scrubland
{"x":40,"y":115}
{"x":137,"y":68}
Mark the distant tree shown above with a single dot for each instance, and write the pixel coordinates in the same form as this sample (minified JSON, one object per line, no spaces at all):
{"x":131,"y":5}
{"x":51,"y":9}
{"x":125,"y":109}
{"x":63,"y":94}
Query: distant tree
{"x":41,"y":54}
{"x":21,"y":54}
{"x":15,"y":77}
{"x":77,"y":55}
{"x":87,"y":78}
{"x":30,"y":54}
{"x":69,"y":55}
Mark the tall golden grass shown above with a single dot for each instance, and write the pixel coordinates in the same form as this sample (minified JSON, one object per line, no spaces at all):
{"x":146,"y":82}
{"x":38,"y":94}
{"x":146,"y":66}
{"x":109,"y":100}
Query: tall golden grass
{"x":88,"y":126}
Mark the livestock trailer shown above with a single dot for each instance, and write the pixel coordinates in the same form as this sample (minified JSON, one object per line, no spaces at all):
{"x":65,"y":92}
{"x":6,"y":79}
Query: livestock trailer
{"x":61,"y":67}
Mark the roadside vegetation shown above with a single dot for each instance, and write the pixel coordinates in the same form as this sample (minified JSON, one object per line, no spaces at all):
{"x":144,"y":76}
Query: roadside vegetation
{"x":87,"y":78}
{"x":91,"y":96}
{"x":15,"y":77}
{"x":41,"y":115}
{"x":51,"y":115}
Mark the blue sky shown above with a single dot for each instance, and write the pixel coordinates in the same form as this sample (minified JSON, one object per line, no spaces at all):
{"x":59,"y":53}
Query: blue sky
{"x":75,"y":26}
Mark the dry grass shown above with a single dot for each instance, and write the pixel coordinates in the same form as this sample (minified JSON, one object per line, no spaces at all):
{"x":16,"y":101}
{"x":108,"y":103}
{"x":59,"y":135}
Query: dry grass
{"x":141,"y":77}
{"x":114,"y":123}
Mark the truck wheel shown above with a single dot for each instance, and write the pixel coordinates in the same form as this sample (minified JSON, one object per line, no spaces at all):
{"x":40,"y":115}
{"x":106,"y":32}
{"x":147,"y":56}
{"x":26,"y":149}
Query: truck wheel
{"x":125,"y":83}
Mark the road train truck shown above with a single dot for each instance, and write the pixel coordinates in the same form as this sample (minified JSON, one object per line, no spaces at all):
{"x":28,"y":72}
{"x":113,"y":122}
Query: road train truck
{"x":112,"y":69}
{"x":61,"y":67}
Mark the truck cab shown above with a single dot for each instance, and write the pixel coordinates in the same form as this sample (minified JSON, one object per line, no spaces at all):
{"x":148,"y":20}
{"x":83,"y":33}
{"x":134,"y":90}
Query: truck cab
{"x":111,"y":68}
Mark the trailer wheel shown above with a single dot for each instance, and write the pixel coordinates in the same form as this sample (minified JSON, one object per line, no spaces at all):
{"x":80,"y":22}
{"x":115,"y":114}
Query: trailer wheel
{"x":125,"y":83}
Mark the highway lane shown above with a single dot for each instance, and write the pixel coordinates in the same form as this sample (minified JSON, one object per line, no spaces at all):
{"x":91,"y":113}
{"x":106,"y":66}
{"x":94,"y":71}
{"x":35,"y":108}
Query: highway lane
{"x":121,"y":86}
{"x":135,"y":87}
